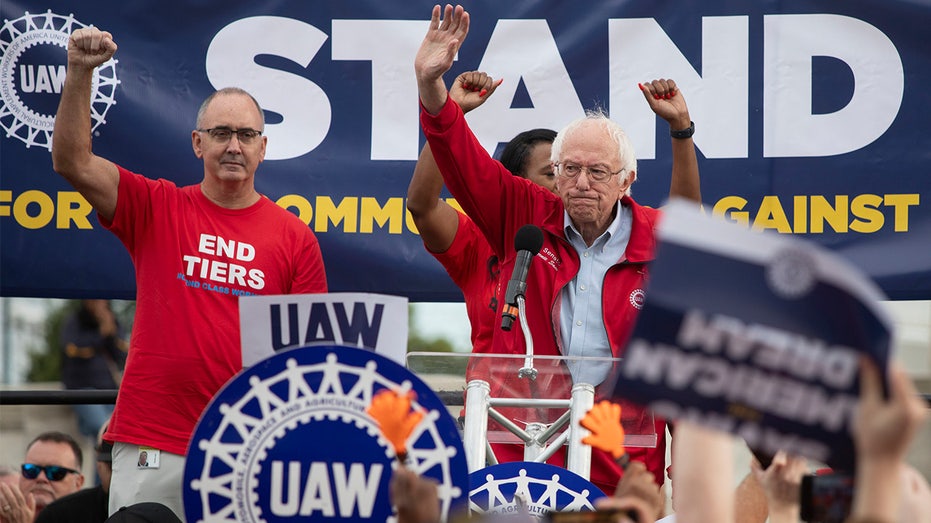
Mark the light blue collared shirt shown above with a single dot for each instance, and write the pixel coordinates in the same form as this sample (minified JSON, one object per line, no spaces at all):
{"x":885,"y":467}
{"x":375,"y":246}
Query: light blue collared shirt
{"x":581,"y":322}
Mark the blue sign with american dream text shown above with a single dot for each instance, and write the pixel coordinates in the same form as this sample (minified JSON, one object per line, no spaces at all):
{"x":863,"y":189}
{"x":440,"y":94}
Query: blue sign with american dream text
{"x":754,"y":334}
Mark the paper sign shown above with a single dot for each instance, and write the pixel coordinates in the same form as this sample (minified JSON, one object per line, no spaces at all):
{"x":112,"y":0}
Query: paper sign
{"x":755,"y":334}
{"x":371,"y":321}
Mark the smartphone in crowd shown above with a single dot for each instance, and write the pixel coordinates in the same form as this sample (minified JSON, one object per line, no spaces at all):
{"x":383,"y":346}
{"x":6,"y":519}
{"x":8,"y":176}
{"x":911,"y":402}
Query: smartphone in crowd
{"x":826,"y":498}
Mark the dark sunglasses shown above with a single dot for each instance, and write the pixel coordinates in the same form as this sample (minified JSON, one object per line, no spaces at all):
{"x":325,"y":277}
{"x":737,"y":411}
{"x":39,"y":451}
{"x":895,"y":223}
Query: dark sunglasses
{"x":52,"y":472}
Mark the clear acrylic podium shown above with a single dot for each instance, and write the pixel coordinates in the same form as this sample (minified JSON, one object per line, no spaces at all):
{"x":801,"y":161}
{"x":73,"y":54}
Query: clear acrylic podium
{"x":509,"y":400}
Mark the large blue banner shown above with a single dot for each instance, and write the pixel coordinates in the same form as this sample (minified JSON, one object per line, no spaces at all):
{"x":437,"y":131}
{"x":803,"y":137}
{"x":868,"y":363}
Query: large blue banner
{"x":810,"y":119}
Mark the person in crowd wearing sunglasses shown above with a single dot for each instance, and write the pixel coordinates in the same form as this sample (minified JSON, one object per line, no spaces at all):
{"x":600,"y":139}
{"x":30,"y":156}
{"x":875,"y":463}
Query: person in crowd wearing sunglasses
{"x":51,"y":470}
{"x":89,"y":505}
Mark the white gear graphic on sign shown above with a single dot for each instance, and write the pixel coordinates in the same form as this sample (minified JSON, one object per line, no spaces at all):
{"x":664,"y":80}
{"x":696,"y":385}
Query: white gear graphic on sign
{"x":791,"y":273}
{"x":22,"y":34}
{"x":283,"y":409}
{"x":546,"y":500}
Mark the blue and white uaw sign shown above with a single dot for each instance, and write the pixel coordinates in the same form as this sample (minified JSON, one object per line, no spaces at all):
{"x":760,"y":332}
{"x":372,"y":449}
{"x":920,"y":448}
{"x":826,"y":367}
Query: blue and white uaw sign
{"x":368,"y":321}
{"x":289,"y":439}
{"x":526,"y":487}
{"x":755,"y":334}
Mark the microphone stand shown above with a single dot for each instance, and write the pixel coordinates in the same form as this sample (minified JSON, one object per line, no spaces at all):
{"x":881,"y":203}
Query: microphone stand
{"x":527,"y":371}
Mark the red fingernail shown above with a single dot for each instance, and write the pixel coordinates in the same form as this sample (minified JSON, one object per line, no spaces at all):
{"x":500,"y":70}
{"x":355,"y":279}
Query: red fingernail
{"x":657,"y":96}
{"x":500,"y":81}
{"x":483,"y":93}
{"x":640,"y":86}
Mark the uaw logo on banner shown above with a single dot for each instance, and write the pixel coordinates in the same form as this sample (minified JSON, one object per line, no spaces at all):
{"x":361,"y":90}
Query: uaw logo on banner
{"x":754,"y":334}
{"x":289,"y":439}
{"x":32,"y":73}
{"x":530,"y":488}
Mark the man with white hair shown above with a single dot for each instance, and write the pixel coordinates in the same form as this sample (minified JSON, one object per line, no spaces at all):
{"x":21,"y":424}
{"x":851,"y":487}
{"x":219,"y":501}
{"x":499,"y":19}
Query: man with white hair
{"x":584,"y":292}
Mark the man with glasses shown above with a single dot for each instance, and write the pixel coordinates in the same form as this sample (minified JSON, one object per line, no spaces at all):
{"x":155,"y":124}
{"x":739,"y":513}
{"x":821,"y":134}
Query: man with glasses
{"x":585,"y":290}
{"x":196,"y":249}
{"x":51,"y":470}
{"x":88,"y":505}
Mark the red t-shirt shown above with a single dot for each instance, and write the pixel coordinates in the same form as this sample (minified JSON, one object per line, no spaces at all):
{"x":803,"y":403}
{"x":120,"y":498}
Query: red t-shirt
{"x":193,"y":259}
{"x":473,"y":267}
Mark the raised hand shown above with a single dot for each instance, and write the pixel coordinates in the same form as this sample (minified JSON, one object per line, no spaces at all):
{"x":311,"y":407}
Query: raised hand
{"x":436,"y":54}
{"x":472,"y":88}
{"x":392,"y":411}
{"x":884,"y":428}
{"x":607,"y":434}
{"x":781,"y":482}
{"x":415,"y":498}
{"x":15,"y":507}
{"x":667,"y":102}
{"x":90,"y":47}
{"x":639,"y":483}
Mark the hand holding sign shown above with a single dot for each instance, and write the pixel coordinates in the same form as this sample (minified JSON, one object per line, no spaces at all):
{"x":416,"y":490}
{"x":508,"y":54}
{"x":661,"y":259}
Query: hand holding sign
{"x":392,"y":411}
{"x":414,"y":497}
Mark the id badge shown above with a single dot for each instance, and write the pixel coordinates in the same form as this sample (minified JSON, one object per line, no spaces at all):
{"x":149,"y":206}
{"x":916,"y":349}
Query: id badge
{"x":148,"y":458}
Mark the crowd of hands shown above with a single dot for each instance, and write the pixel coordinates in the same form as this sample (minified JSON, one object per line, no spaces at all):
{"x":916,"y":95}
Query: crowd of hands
{"x":886,"y":488}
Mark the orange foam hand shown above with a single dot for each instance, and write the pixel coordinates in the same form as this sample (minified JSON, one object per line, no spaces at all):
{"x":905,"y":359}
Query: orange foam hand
{"x":607,"y":434}
{"x":392,"y":412}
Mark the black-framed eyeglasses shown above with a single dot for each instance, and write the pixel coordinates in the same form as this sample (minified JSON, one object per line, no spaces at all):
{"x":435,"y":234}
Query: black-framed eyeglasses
{"x":225,"y":134}
{"x":598,"y":173}
{"x":52,"y":472}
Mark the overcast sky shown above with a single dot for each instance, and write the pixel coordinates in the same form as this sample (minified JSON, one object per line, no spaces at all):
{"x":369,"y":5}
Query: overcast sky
{"x":447,"y":320}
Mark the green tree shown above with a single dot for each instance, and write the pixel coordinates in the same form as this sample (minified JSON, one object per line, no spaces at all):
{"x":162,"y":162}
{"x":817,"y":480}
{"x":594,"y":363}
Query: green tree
{"x":417,"y":342}
{"x":45,"y":362}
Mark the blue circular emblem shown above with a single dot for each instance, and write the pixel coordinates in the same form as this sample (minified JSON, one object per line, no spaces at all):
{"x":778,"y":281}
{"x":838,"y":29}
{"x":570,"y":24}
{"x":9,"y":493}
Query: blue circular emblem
{"x":33,"y":62}
{"x":532,"y":488}
{"x":289,"y":439}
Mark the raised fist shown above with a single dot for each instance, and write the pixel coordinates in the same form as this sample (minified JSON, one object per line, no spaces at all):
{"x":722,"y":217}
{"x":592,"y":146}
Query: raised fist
{"x":90,"y":47}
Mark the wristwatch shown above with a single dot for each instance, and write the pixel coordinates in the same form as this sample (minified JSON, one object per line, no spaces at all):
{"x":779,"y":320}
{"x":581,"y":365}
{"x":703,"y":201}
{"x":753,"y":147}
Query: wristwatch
{"x":684,"y":133}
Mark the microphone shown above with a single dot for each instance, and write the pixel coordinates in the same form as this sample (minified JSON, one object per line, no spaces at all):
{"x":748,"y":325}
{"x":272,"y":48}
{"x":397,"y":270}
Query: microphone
{"x":527,"y":243}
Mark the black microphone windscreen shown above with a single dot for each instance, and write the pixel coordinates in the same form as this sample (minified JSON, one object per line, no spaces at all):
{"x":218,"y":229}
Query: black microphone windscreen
{"x":529,"y":238}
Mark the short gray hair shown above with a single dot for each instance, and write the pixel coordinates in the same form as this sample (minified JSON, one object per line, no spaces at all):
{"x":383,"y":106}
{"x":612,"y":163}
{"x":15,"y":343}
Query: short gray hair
{"x":228,"y":91}
{"x":625,"y":150}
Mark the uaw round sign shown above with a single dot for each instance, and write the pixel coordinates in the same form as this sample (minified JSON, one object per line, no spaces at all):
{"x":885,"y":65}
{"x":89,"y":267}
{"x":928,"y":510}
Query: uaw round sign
{"x":32,"y":73}
{"x":529,"y":488}
{"x":289,"y":439}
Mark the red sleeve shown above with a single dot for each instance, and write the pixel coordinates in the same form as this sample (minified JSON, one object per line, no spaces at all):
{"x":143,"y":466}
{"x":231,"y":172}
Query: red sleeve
{"x":461,"y":259}
{"x":131,"y":218}
{"x":498,"y":202}
{"x":309,"y":273}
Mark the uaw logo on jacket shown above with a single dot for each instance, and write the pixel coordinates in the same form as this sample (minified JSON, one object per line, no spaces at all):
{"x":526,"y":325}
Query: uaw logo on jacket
{"x":32,"y":73}
{"x":530,"y":489}
{"x":290,"y":439}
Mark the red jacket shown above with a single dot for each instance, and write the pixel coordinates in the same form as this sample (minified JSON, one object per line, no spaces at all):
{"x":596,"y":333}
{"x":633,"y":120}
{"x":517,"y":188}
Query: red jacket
{"x":499,"y":204}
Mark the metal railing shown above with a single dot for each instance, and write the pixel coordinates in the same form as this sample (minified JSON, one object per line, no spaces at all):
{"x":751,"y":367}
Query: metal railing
{"x":108,"y":397}
{"x":58,"y":397}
